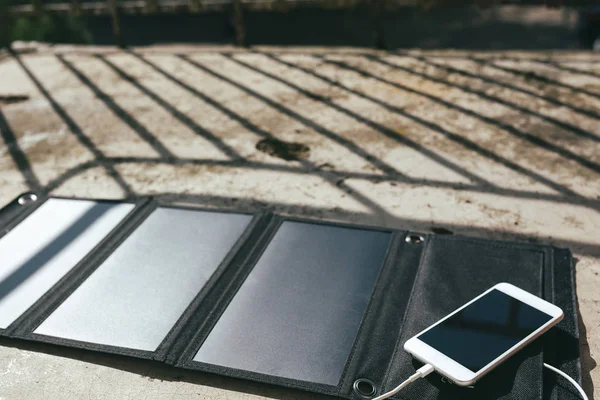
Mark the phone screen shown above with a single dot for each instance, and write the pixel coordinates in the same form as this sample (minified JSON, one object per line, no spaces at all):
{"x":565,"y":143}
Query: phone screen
{"x":485,"y":329}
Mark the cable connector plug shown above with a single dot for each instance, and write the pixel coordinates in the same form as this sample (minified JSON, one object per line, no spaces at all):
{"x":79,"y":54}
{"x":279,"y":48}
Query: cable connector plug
{"x":425,"y":370}
{"x":421,"y":373}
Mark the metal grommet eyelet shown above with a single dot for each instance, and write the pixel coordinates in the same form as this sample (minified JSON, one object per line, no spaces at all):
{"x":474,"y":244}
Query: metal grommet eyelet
{"x":415,"y":239}
{"x":364,"y":388}
{"x":27,"y":199}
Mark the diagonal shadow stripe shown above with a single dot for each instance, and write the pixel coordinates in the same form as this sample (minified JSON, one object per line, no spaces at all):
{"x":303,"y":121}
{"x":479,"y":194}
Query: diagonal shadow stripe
{"x":350,"y":145}
{"x":75,"y":171}
{"x":190,"y":123}
{"x":435,"y":127}
{"x":51,"y":250}
{"x":374,"y":125}
{"x":564,"y":125}
{"x":75,"y":129}
{"x":508,"y":128}
{"x":207,"y":99}
{"x":373,"y":178}
{"x":118,"y":111}
{"x":310,"y":124}
{"x":573,"y":70}
{"x":329,"y":176}
{"x":301,"y":170}
{"x":492,"y":81}
{"x":533,"y":75}
{"x":17,"y":154}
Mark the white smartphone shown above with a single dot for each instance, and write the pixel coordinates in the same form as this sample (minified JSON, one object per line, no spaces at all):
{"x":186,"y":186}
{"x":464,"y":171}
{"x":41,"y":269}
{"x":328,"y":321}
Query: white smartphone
{"x":483,"y":333}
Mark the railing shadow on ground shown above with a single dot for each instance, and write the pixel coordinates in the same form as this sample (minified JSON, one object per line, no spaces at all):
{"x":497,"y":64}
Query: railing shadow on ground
{"x":385,"y":131}
{"x":529,"y":137}
{"x":336,"y":178}
{"x":425,"y":123}
{"x":534,"y":75}
{"x":325,"y":132}
{"x":142,"y":131}
{"x":17,"y":154}
{"x":558,"y":66}
{"x":556,"y":102}
{"x":184,"y":119}
{"x":75,"y":129}
{"x":391,"y":174}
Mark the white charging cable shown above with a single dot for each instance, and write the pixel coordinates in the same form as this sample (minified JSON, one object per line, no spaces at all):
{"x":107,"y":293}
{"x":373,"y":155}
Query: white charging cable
{"x":428,"y":369}
{"x":571,"y":380}
{"x":421,"y":373}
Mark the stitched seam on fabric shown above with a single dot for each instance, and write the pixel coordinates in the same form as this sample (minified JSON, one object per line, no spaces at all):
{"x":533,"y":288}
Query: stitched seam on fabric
{"x":270,"y":230}
{"x":170,"y":342}
{"x":265,"y":378}
{"x":554,"y":394}
{"x":540,"y":388}
{"x":486,"y":242}
{"x":424,"y":255}
{"x":389,"y":261}
{"x":89,"y":346}
{"x":575,"y":306}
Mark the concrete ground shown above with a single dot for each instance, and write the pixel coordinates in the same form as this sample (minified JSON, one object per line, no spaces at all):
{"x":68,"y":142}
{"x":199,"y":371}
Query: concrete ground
{"x":497,"y":145}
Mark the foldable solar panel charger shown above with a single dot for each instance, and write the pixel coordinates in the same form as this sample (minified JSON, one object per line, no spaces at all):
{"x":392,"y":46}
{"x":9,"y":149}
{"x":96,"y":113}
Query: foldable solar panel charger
{"x":322,"y":307}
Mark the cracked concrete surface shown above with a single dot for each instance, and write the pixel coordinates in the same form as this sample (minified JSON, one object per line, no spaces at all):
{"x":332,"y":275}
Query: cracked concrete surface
{"x":498,"y":145}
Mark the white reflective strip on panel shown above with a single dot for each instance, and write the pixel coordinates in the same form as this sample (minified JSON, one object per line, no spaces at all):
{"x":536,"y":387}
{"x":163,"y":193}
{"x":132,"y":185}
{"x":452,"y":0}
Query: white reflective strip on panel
{"x":46,"y":245}
{"x":136,"y":296}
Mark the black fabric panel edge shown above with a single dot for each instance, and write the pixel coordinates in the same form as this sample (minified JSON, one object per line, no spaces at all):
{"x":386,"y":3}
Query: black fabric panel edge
{"x":337,"y":224}
{"x":226,"y":295}
{"x":24,"y":326}
{"x":398,"y":336}
{"x":12,"y":214}
{"x":542,"y":248}
{"x":562,"y":290}
{"x":77,"y":344}
{"x":564,"y":338}
{"x":207,"y":313}
{"x":318,"y":388}
{"x":534,"y":349}
{"x":377,"y":335}
{"x":375,"y":301}
{"x":174,"y":344}
{"x":550,"y":338}
{"x":165,"y":204}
